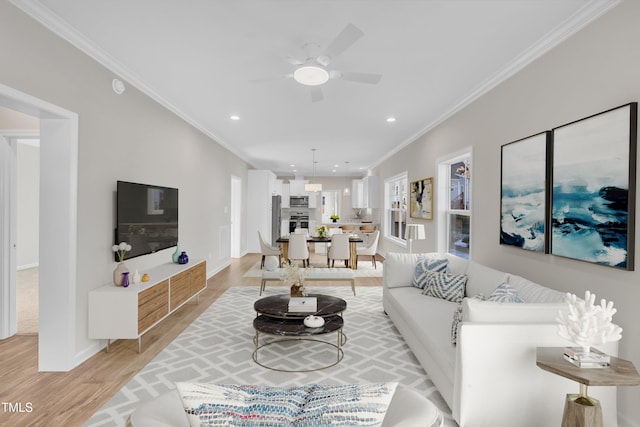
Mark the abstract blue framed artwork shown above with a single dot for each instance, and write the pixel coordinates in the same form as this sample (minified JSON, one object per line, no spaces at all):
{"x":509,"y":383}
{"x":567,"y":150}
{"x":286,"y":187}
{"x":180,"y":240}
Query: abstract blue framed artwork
{"x":523,"y":201}
{"x":593,"y":188}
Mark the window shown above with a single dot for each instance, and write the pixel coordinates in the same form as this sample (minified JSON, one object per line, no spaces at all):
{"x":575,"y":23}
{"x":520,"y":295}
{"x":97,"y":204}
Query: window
{"x":395,"y":215}
{"x":454,"y":213}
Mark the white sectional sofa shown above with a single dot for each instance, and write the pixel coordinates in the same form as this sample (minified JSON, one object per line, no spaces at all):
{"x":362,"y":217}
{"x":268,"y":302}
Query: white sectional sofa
{"x":489,"y":378}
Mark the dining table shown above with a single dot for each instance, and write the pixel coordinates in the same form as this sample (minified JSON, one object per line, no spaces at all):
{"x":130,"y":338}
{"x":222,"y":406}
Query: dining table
{"x":283,"y":241}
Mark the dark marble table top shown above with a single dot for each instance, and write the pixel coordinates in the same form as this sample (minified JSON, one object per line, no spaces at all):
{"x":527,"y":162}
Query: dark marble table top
{"x":295,"y":327}
{"x":277,"y":306}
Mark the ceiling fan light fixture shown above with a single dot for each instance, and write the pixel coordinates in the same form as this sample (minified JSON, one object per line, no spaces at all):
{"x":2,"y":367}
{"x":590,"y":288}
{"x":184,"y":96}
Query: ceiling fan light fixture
{"x":311,"y":75}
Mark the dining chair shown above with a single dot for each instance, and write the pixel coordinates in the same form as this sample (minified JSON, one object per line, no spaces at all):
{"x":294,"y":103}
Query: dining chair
{"x":370,"y":248}
{"x":298,"y":248}
{"x":339,"y":249}
{"x":268,"y":250}
{"x":348,"y":228}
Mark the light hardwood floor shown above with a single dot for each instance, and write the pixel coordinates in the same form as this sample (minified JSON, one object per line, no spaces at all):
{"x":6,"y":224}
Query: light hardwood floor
{"x":70,"y":398}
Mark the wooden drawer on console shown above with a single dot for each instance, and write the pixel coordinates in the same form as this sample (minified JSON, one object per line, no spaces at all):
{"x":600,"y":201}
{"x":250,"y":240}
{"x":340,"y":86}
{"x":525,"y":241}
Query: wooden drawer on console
{"x":153,"y":305}
{"x":198,"y":276}
{"x":180,"y":289}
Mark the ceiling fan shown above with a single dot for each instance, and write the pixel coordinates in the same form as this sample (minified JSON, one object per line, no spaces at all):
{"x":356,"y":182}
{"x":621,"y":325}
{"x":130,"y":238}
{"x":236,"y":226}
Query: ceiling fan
{"x":313,"y":72}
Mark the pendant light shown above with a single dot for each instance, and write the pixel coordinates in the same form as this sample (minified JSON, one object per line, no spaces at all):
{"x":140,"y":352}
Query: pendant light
{"x":311,"y":186}
{"x":347,"y":190}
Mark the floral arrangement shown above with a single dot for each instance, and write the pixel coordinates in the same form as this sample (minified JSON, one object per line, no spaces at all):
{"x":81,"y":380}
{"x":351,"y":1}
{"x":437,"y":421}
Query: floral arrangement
{"x":587,"y":324}
{"x":121,"y":249}
{"x":334,"y":217}
{"x":322,"y":230}
{"x":296,"y":275}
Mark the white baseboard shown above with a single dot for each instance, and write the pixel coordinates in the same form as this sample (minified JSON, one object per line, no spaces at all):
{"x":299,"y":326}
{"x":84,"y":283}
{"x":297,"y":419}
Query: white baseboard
{"x":88,"y":352}
{"x":212,"y":273}
{"x":26,"y":266}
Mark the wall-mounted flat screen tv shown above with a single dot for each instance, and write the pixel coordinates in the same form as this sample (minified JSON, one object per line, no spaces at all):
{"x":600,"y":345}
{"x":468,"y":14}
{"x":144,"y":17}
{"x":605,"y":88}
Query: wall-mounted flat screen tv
{"x":147,"y":217}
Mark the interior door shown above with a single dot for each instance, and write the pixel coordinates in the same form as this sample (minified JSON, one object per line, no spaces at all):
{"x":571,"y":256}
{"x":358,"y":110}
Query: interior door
{"x":8,"y":216}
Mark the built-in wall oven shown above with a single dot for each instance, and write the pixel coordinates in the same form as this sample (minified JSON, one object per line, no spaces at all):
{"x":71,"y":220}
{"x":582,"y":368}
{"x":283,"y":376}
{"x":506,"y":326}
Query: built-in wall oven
{"x":298,"y":220}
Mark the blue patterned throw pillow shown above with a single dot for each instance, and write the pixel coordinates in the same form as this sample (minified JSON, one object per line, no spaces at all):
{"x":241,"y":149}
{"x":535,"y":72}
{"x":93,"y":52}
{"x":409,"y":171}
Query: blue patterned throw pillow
{"x":457,"y":318}
{"x":426,"y":265}
{"x":505,"y":293}
{"x":445,"y":286}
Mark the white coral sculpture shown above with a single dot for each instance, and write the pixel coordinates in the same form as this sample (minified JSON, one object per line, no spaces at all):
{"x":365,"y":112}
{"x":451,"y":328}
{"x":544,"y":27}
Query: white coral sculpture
{"x":586,"y":324}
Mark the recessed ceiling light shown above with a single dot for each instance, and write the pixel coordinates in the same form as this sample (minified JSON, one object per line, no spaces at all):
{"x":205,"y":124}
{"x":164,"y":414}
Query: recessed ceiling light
{"x":292,"y":166}
{"x":234,"y":117}
{"x":391,"y":119}
{"x":334,"y":171}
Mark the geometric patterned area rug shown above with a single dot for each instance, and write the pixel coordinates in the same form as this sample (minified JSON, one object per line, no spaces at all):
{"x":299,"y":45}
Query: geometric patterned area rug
{"x":365,"y":269}
{"x":217,"y":348}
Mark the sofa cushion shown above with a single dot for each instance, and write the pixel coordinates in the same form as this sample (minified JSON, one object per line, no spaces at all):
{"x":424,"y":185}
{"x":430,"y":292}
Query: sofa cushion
{"x":474,"y":310}
{"x":446,"y":286}
{"x":505,"y":293}
{"x":399,"y":268}
{"x":533,"y":292}
{"x":426,"y":265}
{"x":483,"y":279}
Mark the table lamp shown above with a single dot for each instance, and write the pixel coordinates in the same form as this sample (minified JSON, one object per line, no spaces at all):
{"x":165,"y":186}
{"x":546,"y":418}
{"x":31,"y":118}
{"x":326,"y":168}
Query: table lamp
{"x":413,"y":232}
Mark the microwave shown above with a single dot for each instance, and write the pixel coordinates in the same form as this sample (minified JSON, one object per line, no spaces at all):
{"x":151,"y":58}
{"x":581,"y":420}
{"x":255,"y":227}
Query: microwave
{"x":299,"y":201}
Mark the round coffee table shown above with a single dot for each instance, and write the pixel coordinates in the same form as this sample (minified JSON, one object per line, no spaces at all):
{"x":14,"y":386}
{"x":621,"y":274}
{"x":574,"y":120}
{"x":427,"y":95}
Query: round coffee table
{"x":273,"y":318}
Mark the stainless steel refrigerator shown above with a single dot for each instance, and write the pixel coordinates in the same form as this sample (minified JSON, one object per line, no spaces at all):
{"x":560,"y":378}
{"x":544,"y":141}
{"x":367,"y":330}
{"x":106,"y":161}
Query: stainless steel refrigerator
{"x":276,"y":213}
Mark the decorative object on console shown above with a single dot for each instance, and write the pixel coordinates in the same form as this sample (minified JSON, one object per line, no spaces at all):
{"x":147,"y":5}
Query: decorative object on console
{"x":176,"y":255}
{"x":183,"y":258}
{"x":125,"y":279}
{"x":586,"y":324}
{"x":120,"y":250}
{"x":421,"y":199}
{"x":593,"y":188}
{"x":524,"y":175}
{"x":413,"y":232}
{"x":145,"y":277}
{"x":136,"y":277}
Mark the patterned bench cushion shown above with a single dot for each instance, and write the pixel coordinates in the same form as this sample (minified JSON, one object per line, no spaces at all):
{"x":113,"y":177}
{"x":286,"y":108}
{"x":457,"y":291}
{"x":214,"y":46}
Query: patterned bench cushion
{"x":309,"y":405}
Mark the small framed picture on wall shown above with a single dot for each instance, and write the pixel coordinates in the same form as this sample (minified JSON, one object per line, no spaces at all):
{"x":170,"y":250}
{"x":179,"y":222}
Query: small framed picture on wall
{"x":421,"y":199}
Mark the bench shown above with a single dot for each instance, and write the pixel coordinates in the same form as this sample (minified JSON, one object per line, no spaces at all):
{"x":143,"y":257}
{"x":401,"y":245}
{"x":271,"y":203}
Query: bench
{"x":314,"y":274}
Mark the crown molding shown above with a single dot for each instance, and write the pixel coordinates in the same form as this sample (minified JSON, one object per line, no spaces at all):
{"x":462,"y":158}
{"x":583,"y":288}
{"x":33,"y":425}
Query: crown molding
{"x":61,"y":28}
{"x":583,"y":17}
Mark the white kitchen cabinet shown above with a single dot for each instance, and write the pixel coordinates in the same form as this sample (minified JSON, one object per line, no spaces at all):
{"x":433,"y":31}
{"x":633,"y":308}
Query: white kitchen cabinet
{"x":365,"y":192}
{"x":261,"y":186}
{"x":296,"y":187}
{"x":313,"y":199}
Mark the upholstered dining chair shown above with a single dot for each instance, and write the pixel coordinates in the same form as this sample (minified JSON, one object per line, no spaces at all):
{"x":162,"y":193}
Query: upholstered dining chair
{"x":339,"y":249}
{"x":298,"y":248}
{"x":370,"y":248}
{"x":268,"y":250}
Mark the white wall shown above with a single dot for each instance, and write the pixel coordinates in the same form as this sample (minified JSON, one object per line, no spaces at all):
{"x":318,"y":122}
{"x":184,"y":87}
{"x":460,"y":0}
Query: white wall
{"x":127,"y":137}
{"x":595,"y":70}
{"x":28,"y":207}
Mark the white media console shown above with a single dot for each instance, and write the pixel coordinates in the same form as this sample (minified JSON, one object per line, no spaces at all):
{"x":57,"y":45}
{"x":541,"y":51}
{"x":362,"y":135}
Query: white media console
{"x":116,"y":312}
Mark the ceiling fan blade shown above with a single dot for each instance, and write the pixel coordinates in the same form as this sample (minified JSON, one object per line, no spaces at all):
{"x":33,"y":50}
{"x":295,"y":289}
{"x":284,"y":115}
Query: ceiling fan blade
{"x":369,"y":78}
{"x":348,"y":36}
{"x":316,"y":93}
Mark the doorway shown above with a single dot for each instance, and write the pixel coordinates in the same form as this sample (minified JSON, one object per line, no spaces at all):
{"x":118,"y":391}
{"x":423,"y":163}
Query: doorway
{"x":236,"y":216}
{"x":58,"y":228}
